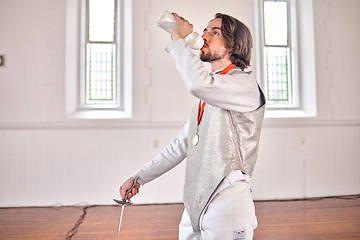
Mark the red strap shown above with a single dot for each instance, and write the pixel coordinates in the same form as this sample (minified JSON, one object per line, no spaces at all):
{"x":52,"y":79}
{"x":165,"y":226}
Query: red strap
{"x":227,"y":69}
{"x":200,"y":111}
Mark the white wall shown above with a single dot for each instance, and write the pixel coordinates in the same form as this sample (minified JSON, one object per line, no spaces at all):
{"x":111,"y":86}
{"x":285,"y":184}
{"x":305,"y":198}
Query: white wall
{"x":46,"y":159}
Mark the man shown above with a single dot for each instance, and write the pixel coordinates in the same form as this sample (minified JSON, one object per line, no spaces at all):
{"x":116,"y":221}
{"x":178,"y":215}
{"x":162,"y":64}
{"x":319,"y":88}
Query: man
{"x":221,"y":138}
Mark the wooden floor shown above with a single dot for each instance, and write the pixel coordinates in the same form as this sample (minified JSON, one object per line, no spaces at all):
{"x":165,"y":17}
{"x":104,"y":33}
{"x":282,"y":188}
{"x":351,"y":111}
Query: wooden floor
{"x":322,"y":219}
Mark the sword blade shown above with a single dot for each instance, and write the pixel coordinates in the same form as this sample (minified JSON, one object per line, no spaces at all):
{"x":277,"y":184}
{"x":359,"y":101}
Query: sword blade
{"x":121,"y":216}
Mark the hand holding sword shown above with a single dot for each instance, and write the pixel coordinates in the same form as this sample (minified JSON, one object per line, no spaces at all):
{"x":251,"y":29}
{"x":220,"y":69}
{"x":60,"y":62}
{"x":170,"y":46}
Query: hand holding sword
{"x":129,"y":189}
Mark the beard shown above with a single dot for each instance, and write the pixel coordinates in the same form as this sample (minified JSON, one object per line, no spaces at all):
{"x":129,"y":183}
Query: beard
{"x":209,"y":56}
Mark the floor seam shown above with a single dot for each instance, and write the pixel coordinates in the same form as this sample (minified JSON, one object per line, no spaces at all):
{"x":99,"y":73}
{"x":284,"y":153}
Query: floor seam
{"x":73,"y":231}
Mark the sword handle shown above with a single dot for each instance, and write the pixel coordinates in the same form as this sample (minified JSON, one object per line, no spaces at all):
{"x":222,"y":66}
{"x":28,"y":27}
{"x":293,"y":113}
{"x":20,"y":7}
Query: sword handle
{"x":130,"y":189}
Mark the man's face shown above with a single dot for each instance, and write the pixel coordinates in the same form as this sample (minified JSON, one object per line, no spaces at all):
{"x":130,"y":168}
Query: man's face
{"x":214,"y":43}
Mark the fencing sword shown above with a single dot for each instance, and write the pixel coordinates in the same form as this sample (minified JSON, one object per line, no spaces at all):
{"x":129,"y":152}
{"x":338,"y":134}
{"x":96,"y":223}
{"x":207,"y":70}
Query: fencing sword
{"x":124,"y":202}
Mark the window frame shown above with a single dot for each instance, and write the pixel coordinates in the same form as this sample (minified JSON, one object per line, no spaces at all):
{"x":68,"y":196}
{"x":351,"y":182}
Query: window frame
{"x":76,"y":33}
{"x":84,"y":87}
{"x":291,"y":42}
{"x":303,"y":59}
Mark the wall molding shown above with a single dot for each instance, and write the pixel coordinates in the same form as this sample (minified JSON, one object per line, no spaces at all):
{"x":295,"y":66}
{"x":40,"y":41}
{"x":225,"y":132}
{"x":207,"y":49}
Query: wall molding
{"x":268,"y":123}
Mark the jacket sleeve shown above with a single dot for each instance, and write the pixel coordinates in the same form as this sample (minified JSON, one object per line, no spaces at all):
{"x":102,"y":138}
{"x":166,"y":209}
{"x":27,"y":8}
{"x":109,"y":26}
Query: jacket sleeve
{"x":167,"y":159}
{"x":236,"y":91}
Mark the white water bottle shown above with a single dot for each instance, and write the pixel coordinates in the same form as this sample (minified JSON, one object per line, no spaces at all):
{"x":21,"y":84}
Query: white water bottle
{"x":167,"y":21}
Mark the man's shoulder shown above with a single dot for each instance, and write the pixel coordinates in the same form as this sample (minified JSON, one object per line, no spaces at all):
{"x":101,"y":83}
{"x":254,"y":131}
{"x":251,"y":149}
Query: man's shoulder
{"x":237,"y":70}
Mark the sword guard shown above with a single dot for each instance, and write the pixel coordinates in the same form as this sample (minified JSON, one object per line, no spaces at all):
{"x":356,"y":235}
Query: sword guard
{"x":123,"y":202}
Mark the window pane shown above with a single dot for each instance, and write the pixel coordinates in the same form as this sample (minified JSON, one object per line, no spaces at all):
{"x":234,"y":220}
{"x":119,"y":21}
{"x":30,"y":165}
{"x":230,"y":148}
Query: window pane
{"x":101,"y":73}
{"x":275,"y":23}
{"x":101,"y":20}
{"x":277,"y":74}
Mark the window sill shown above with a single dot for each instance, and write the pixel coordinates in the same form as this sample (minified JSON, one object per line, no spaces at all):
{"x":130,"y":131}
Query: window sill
{"x":288,"y":113}
{"x":100,"y":114}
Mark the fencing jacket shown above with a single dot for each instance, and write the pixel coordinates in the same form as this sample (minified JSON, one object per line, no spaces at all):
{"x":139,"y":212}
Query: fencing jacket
{"x":228,"y":132}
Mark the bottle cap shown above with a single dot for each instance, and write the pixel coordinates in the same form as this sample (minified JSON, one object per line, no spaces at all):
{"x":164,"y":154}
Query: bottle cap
{"x":195,"y":41}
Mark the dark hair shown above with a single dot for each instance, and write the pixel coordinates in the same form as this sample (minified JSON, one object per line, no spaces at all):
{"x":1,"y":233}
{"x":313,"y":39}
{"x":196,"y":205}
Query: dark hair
{"x":238,"y":39}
